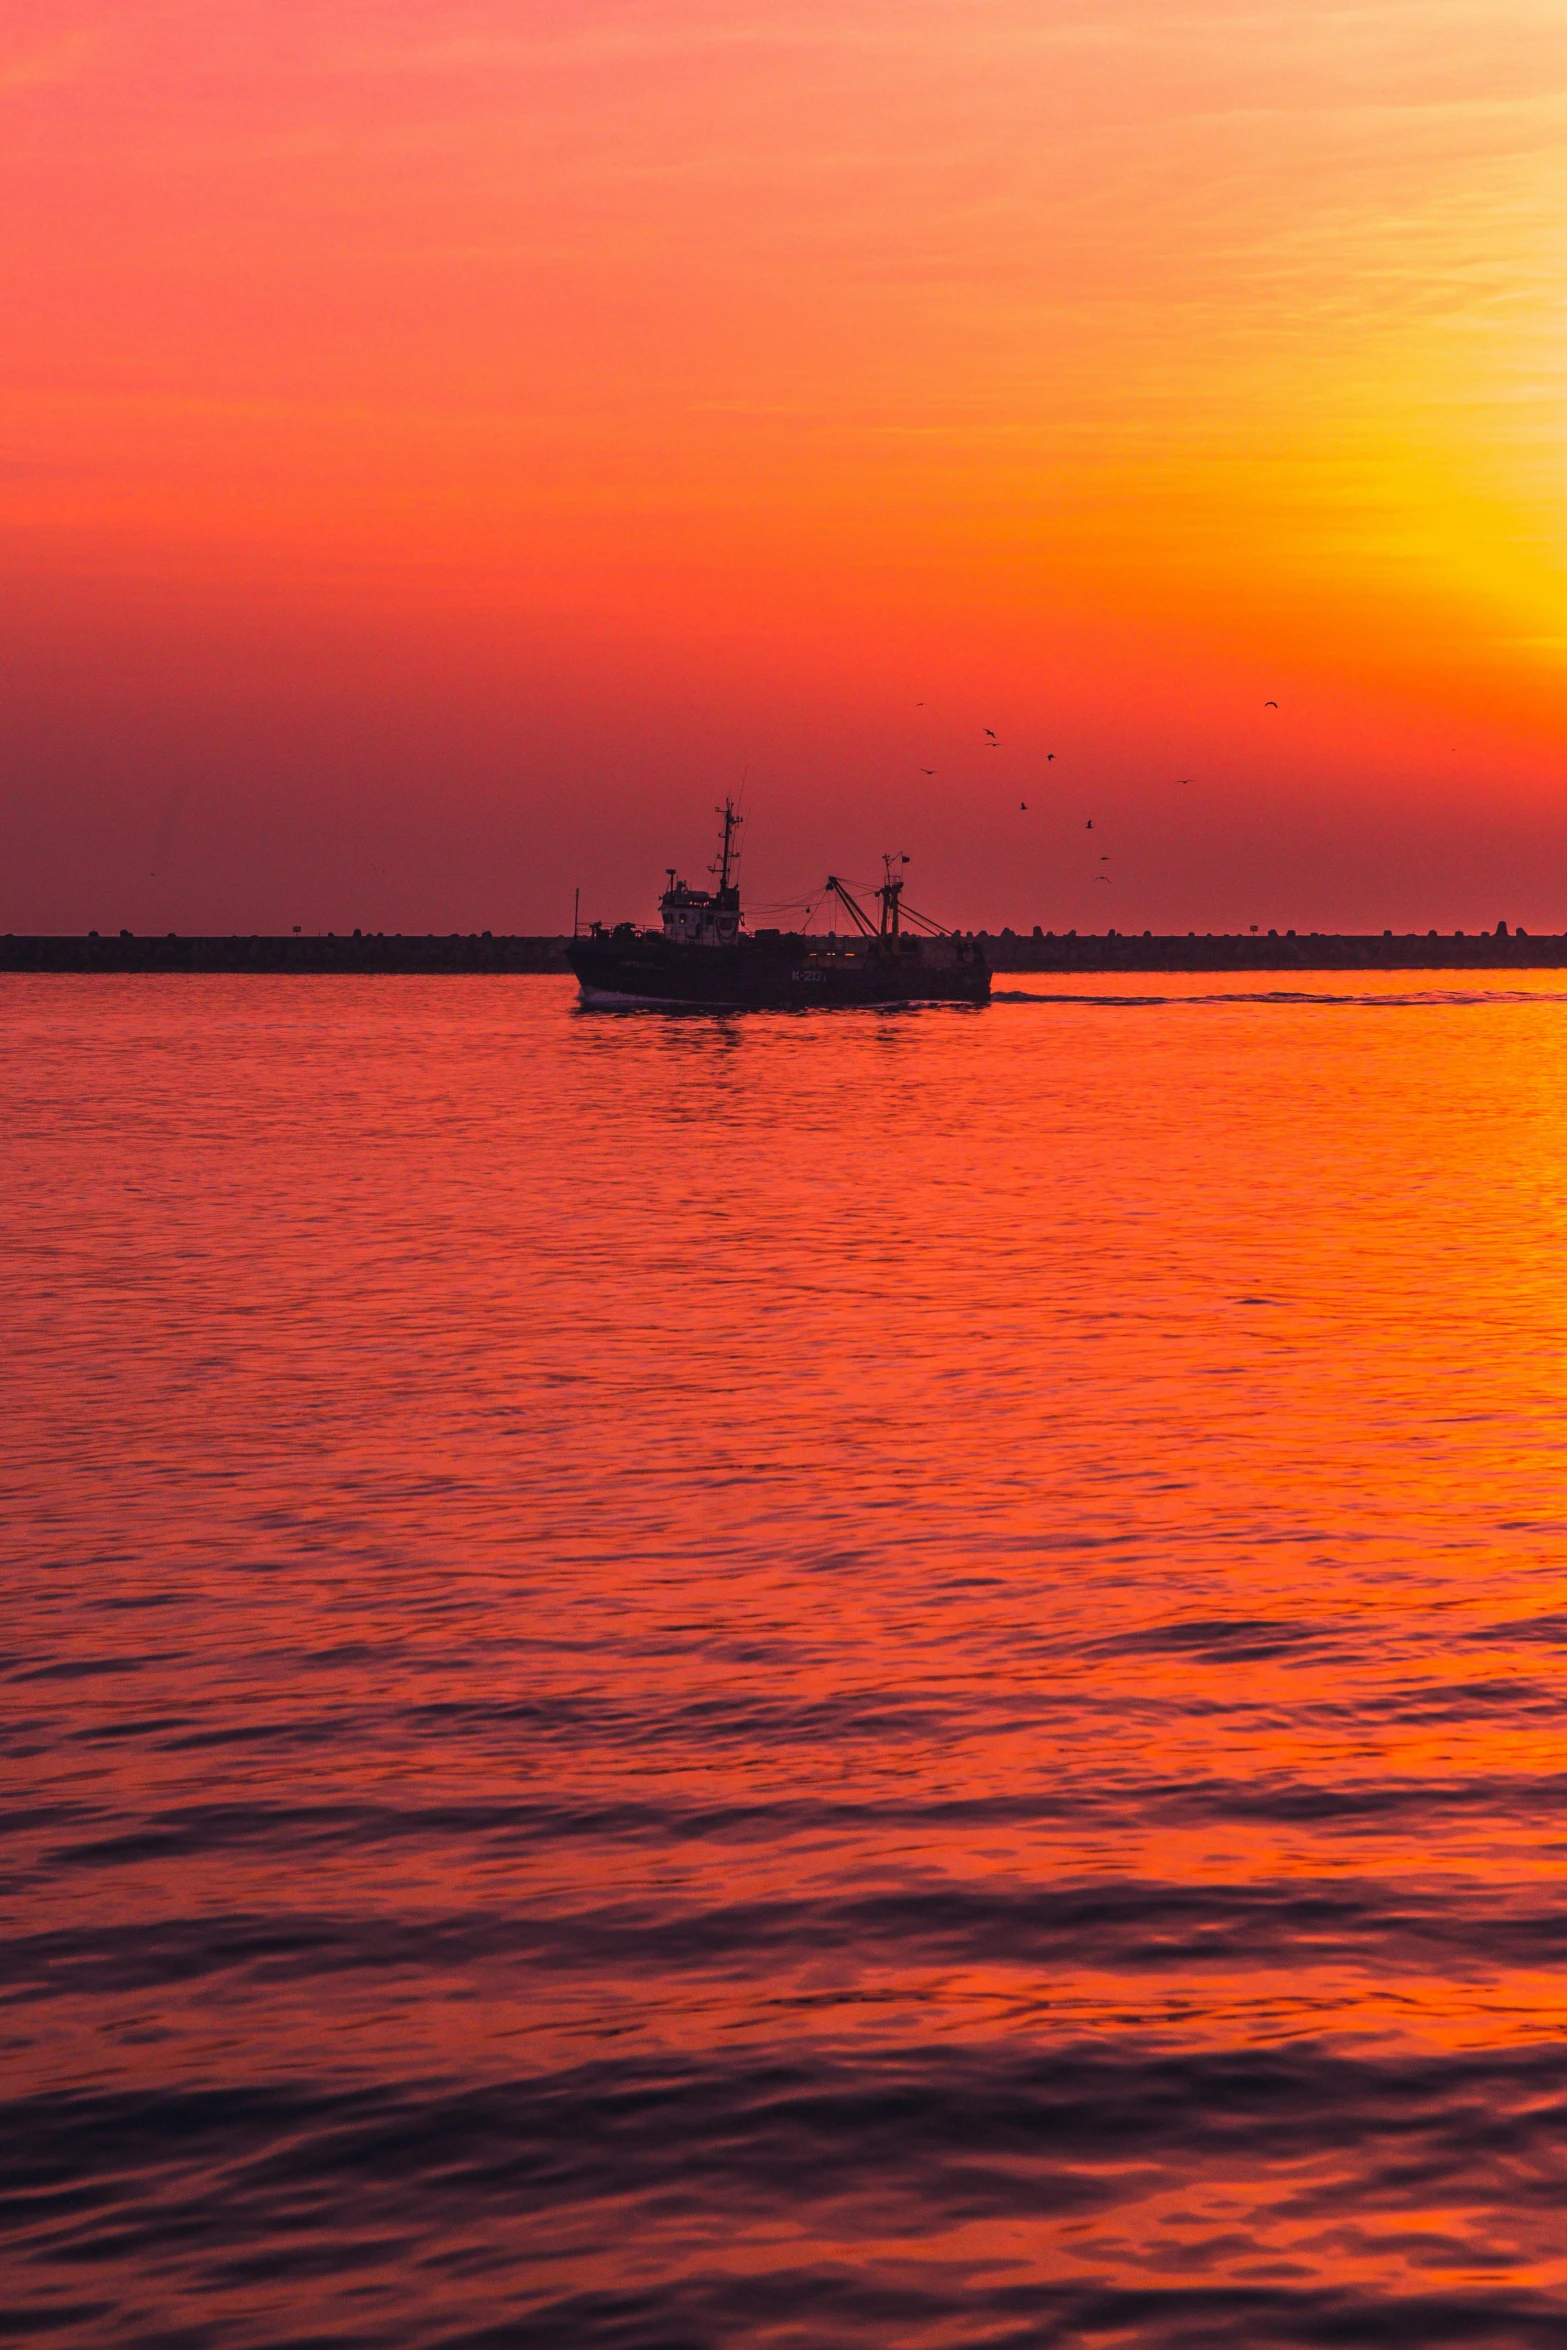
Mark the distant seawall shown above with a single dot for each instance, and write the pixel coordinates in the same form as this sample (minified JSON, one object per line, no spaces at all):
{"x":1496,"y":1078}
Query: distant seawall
{"x":1498,"y":950}
{"x":367,"y":951}
{"x":1007,"y":951}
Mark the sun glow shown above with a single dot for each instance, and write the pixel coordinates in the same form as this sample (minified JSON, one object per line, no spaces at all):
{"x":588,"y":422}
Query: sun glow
{"x":788,"y":359}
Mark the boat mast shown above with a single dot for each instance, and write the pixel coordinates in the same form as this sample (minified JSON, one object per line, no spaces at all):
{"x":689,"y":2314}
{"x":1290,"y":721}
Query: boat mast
{"x":730,"y":854}
{"x":890,"y":892}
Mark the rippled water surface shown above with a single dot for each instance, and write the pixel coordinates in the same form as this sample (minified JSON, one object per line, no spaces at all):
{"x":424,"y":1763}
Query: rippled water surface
{"x":880,"y":1679}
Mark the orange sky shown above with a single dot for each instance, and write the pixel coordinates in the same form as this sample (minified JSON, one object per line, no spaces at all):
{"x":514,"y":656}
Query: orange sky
{"x":446,"y":445}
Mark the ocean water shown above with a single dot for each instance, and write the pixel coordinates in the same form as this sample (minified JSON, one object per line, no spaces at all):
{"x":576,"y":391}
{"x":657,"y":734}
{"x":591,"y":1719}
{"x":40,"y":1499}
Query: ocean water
{"x":882,"y":1679}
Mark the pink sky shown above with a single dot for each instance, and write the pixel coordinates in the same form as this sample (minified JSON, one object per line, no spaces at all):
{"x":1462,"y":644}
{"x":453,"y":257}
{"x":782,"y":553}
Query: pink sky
{"x":446,"y":446}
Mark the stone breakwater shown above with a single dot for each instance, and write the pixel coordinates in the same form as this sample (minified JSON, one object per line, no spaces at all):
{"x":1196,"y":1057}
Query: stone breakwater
{"x":356,"y":951}
{"x":1007,"y":950}
{"x":1429,"y":950}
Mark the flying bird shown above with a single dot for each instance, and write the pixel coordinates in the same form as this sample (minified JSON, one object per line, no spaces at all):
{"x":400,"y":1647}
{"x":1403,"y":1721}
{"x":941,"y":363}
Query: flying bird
{"x":927,"y":771}
{"x":1104,"y":877}
{"x":1049,"y":755}
{"x":1023,"y":804}
{"x":1089,"y":826}
{"x":990,"y":730}
{"x":1270,"y":705}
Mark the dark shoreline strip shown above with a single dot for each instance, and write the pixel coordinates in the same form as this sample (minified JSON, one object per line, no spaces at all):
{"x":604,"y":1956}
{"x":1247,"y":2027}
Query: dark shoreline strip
{"x":1006,"y":952}
{"x":356,"y":952}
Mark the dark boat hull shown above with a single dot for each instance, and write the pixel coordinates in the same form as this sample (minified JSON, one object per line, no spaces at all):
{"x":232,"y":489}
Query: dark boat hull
{"x":788,"y":973}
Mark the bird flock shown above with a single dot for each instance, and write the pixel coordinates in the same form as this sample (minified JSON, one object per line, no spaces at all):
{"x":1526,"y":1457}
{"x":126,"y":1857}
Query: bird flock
{"x":992,"y":742}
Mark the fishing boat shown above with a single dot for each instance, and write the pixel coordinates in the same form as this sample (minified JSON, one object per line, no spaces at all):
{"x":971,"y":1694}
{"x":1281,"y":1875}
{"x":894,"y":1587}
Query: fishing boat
{"x":705,"y":958}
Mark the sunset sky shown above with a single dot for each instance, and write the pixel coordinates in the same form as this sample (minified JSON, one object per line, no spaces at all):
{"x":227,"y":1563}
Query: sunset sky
{"x":448,"y":443}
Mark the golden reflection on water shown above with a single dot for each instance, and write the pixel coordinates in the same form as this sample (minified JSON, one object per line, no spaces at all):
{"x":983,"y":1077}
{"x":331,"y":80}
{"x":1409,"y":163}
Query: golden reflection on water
{"x":685,"y":1660}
